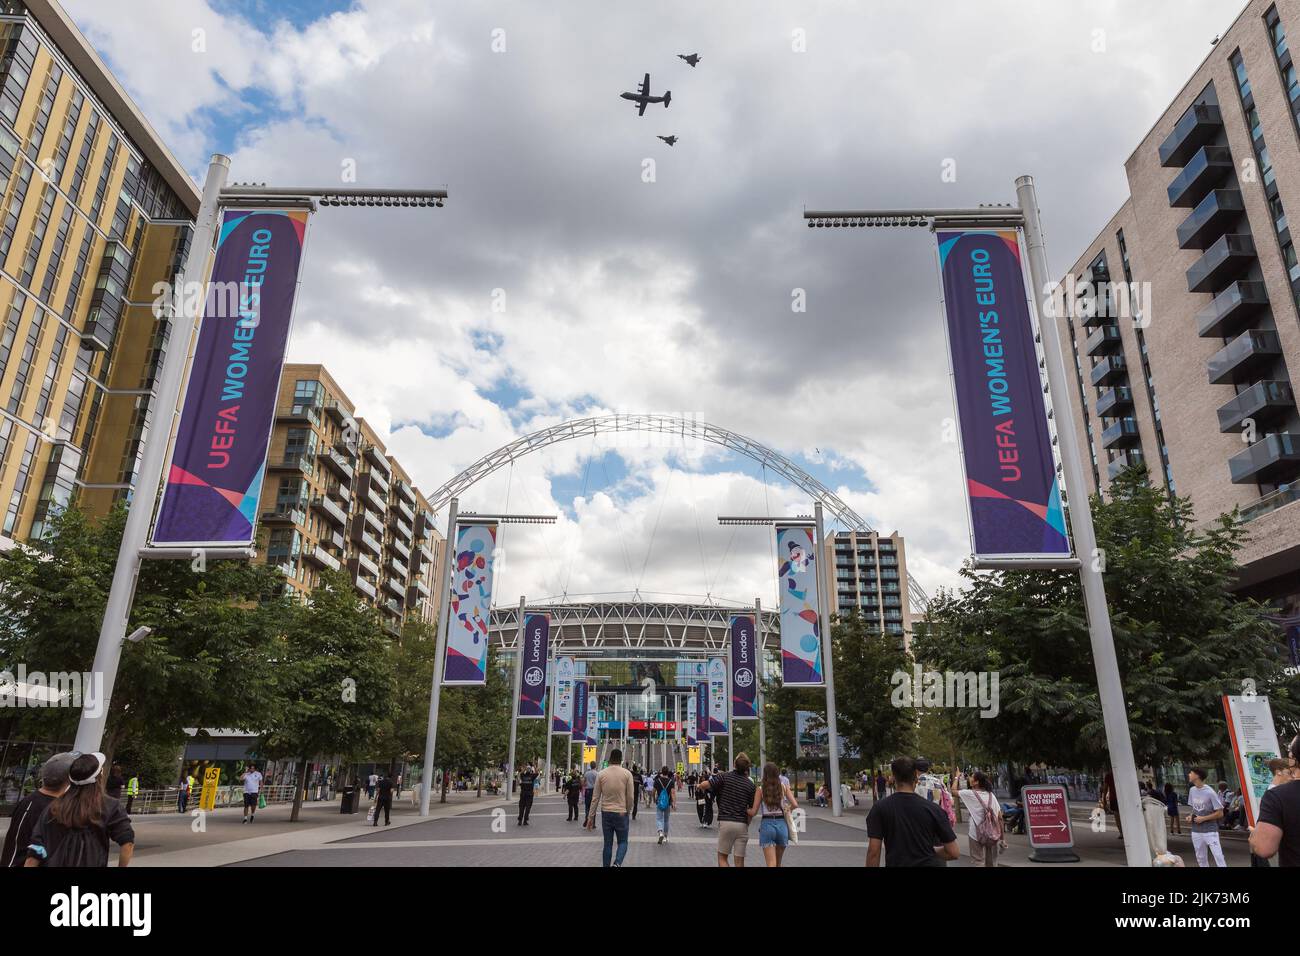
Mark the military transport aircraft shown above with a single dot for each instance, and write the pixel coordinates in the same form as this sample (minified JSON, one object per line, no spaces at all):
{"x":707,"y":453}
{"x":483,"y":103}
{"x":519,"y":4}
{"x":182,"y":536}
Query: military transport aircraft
{"x":643,"y":98}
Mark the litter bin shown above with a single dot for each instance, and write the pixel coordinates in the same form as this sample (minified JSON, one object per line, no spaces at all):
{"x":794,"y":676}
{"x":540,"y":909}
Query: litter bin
{"x":349,"y":802}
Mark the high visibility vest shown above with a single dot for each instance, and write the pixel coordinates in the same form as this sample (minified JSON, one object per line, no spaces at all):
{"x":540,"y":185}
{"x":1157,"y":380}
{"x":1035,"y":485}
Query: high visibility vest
{"x":133,"y":787}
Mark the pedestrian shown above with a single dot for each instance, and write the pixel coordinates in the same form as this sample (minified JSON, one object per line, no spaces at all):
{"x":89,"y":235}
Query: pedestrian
{"x":1207,"y":810}
{"x":588,"y":785}
{"x":847,"y":796}
{"x":572,"y":791}
{"x":985,"y":834}
{"x":931,"y":787}
{"x":638,"y":781}
{"x":54,"y":783}
{"x":1171,"y":808}
{"x":1277,"y":831}
{"x":912,"y":830}
{"x":648,"y":790}
{"x":252,"y":780}
{"x":75,"y":830}
{"x":703,"y":803}
{"x":665,"y":788}
{"x":371,"y":781}
{"x":132,"y":791}
{"x":734,"y":793}
{"x":384,"y":799}
{"x":527,"y":785}
{"x":613,"y":796}
{"x":115,"y":782}
{"x":773,"y":803}
{"x":1109,"y":800}
{"x":183,"y":796}
{"x":691,"y":779}
{"x":880,"y":785}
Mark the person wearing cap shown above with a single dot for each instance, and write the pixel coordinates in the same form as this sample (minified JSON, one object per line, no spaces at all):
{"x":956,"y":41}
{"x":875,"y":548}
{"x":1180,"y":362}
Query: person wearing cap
{"x":54,"y":781}
{"x":1277,"y":831}
{"x":76,"y":828}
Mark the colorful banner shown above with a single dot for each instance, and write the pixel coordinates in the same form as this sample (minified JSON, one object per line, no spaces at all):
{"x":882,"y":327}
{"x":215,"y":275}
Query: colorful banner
{"x":691,"y":735}
{"x":532,"y":681}
{"x":1012,"y":492}
{"x":1254,"y":743}
{"x":592,"y":723}
{"x":580,"y":711}
{"x":562,"y":713}
{"x":744,"y":667}
{"x":717,"y":696}
{"x":810,"y":735}
{"x":471,"y":603}
{"x":214,"y":480}
{"x":801,"y":629}
{"x":701,"y":699}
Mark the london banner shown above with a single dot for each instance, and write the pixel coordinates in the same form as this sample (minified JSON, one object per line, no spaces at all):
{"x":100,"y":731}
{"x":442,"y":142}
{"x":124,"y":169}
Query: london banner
{"x":471,"y":603}
{"x":532,"y":681}
{"x":744,"y":667}
{"x":801,"y":630}
{"x":214,"y":481}
{"x":1012,"y":493}
{"x":562,"y":710}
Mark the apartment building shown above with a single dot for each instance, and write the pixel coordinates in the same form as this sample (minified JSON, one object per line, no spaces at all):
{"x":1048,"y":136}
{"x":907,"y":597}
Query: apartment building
{"x":1197,"y":385}
{"x":94,"y":211}
{"x":870,"y":572}
{"x":334,"y":499}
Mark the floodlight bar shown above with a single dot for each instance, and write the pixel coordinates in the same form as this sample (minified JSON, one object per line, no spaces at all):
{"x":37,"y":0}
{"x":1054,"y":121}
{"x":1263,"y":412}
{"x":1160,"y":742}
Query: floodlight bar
{"x":755,"y":520}
{"x":334,"y":196}
{"x":990,"y":216}
{"x":474,"y":516}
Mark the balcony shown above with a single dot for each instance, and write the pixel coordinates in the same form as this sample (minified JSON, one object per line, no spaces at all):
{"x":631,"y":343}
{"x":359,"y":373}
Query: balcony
{"x":404,"y":509}
{"x":1109,"y":371}
{"x":1130,"y":458}
{"x":285,"y":514}
{"x":323,"y":559}
{"x":301,"y":415}
{"x":396,"y":567}
{"x":1262,"y":402}
{"x":1211,"y":217}
{"x":1273,"y":459}
{"x":298,"y":463}
{"x":1231,"y":308}
{"x":360,"y":564}
{"x":1104,"y":341}
{"x":1122,"y":434}
{"x":1113,"y":400}
{"x":335,"y":540}
{"x":423,"y":524}
{"x":366,"y":588}
{"x":332,"y":512}
{"x":394,"y":604}
{"x":1208,"y":167}
{"x":1222,"y":262}
{"x":400,"y":528}
{"x":337,"y":464}
{"x":373,"y":522}
{"x":346,"y":450}
{"x":340,"y":493}
{"x":369,"y":491}
{"x":366,"y":542}
{"x":1244,"y":358}
{"x":407,"y":494}
{"x":1194,"y":129}
{"x":400,"y":548}
{"x":376,"y":458}
{"x":342,"y":417}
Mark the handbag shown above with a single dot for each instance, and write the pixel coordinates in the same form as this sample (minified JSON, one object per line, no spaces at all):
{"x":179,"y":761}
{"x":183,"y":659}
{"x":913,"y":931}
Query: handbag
{"x":370,"y":814}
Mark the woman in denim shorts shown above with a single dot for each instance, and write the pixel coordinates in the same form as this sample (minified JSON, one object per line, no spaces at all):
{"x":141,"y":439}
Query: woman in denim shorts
{"x":771,"y":801}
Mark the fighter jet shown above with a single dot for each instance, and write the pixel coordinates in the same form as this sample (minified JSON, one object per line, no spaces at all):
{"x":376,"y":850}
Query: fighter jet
{"x":692,"y":59}
{"x":643,"y":98}
{"x":670,"y":140}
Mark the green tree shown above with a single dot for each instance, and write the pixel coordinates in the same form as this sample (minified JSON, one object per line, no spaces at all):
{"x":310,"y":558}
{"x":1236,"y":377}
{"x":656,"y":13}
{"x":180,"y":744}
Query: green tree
{"x":866,"y":662}
{"x":334,"y":678}
{"x":1182,"y":639}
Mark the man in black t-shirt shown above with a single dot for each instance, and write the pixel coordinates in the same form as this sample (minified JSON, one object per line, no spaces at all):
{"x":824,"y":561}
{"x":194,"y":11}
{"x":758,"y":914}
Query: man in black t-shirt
{"x":527,"y":784}
{"x":734,"y":793}
{"x":909,"y":826}
{"x":1278,"y":828}
{"x":384,"y":799}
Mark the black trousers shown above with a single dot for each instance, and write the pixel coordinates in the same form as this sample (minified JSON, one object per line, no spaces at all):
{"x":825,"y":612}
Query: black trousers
{"x":573,"y":808}
{"x":525,"y":804}
{"x":704,"y":809}
{"x":386,"y":806}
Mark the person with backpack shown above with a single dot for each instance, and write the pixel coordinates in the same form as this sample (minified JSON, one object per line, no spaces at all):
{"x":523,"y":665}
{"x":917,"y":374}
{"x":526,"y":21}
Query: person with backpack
{"x":28,"y":810}
{"x":985,"y":833}
{"x":665,"y":789}
{"x":76,"y":828}
{"x":638,"y":783}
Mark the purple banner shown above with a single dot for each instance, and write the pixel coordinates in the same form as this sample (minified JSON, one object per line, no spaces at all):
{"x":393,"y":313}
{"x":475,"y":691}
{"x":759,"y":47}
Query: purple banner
{"x":580,"y":711}
{"x":532,"y":682}
{"x":1012,"y":491}
{"x":744,"y":667}
{"x":214,"y":482}
{"x":702,"y":711}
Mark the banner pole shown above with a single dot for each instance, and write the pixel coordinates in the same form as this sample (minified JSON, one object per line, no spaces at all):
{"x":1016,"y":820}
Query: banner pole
{"x":112,"y":629}
{"x":828,"y":652}
{"x":1109,"y":686}
{"x":758,"y":679}
{"x":440,"y":651}
{"x":514,"y":702}
{"x":550,"y":703}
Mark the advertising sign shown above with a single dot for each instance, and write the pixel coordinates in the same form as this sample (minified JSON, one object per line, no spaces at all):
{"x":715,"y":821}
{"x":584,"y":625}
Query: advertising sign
{"x":810,"y":735}
{"x":471,"y":604}
{"x":691,"y":734}
{"x":702,"y":711}
{"x":208,"y":795}
{"x":693,"y":756}
{"x":562,"y":713}
{"x":717,"y":696}
{"x":1254,"y":743}
{"x":801,"y":629}
{"x":1012,"y":493}
{"x":588,"y":756}
{"x":744,"y":667}
{"x":1047,"y":821}
{"x":214,"y":480}
{"x":532,"y":681}
{"x":580,"y":711}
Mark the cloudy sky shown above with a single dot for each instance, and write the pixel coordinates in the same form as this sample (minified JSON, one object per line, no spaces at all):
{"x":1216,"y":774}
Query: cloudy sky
{"x":559,"y":283}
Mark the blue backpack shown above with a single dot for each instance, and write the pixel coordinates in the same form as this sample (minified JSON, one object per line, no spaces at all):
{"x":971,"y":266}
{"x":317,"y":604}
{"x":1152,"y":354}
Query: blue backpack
{"x":665,"y":797}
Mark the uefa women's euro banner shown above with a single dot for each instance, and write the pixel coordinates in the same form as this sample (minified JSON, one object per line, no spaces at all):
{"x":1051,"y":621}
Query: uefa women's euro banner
{"x":801,"y":629}
{"x":691,"y":736}
{"x":744,"y":667}
{"x":717,"y":696}
{"x":471,"y":604}
{"x":214,"y":481}
{"x":580,"y":711}
{"x":1011,"y":487}
{"x":562,"y":711}
{"x":702,"y":710}
{"x":532,"y":658}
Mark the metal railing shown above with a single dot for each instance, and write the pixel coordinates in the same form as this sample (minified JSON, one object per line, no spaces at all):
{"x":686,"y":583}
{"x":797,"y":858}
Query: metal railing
{"x":167,"y":799}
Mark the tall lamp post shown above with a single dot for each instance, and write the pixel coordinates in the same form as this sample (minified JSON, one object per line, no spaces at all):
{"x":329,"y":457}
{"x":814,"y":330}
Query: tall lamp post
{"x":153,"y":458}
{"x":1109,"y":687}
